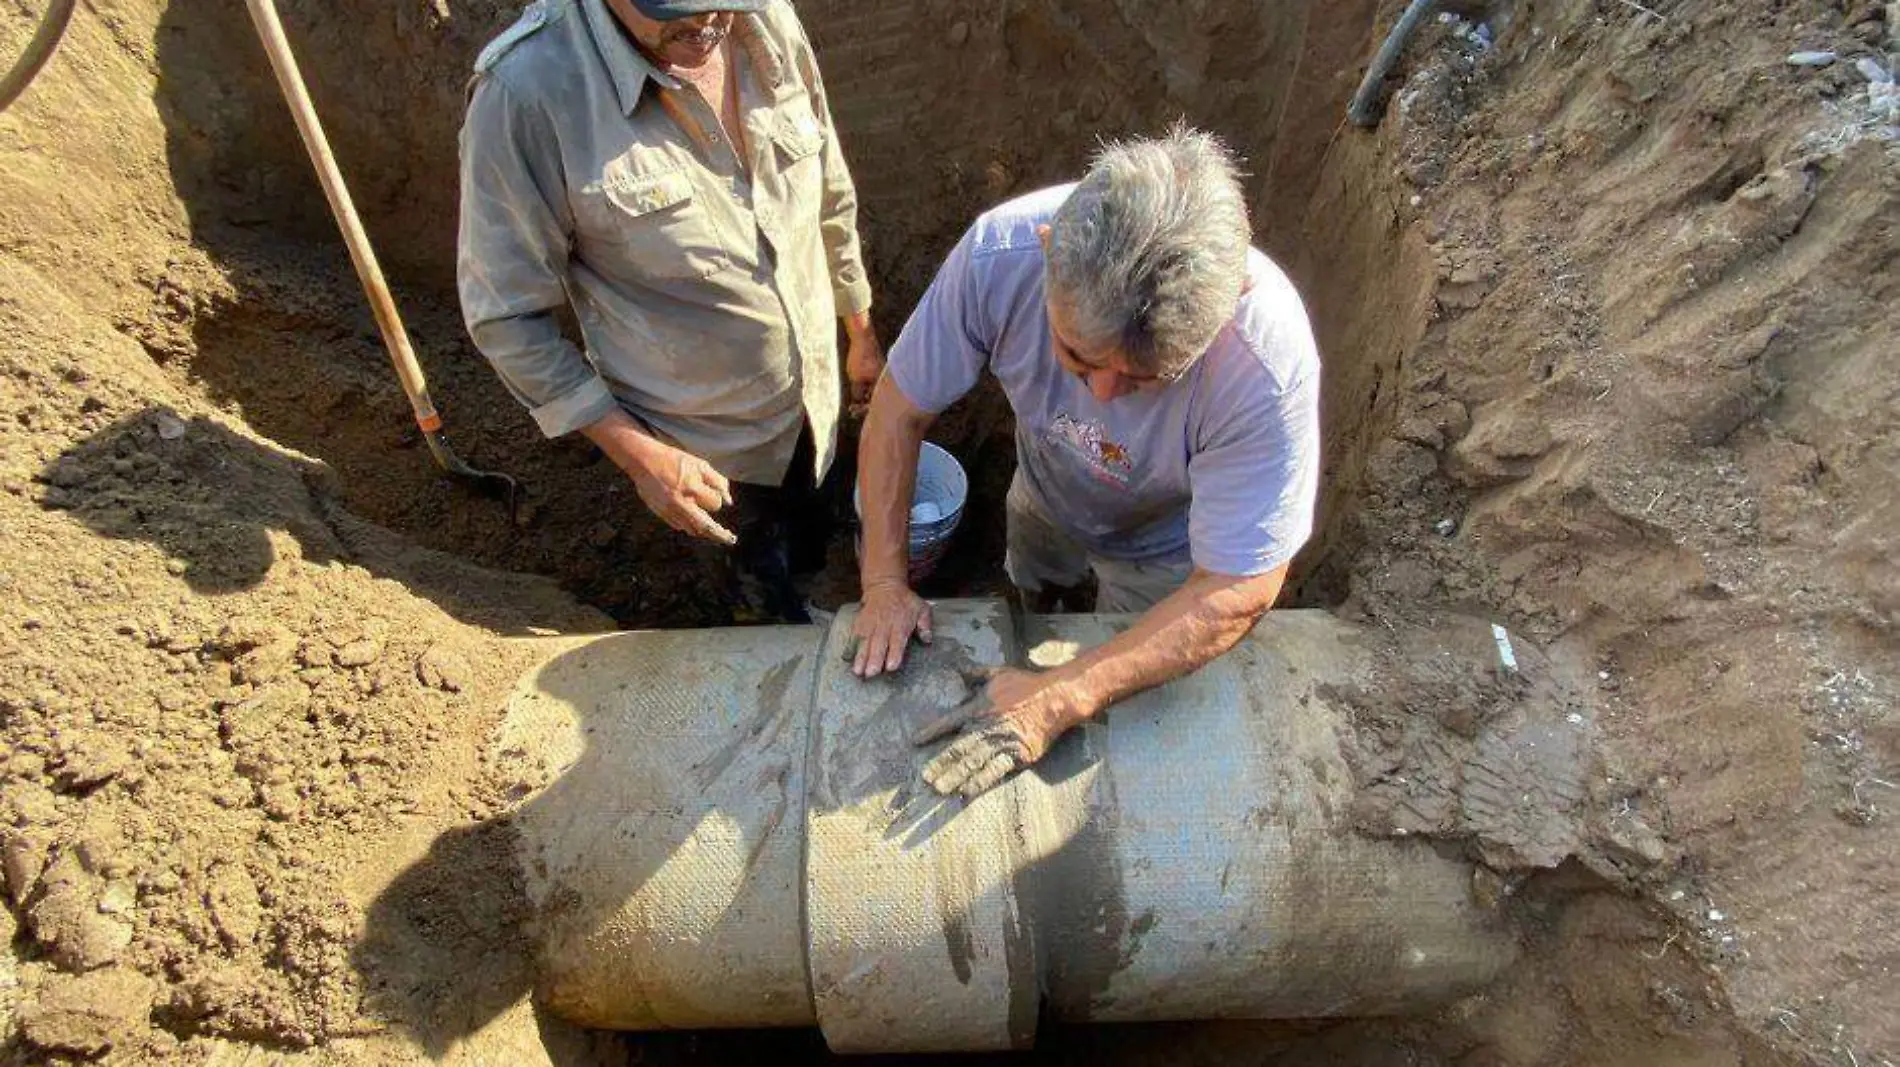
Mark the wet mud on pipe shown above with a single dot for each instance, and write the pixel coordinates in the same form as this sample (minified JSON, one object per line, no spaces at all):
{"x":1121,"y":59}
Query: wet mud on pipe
{"x":724,"y":829}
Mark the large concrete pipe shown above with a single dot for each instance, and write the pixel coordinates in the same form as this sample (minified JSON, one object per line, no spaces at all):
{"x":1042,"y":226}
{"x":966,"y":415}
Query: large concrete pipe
{"x":731,"y":833}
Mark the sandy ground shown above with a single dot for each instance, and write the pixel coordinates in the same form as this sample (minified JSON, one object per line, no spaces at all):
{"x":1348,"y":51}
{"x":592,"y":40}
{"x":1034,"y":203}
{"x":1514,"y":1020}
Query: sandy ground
{"x":1608,"y":307}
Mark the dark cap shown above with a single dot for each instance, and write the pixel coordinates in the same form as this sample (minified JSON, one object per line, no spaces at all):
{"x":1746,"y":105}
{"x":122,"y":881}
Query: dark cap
{"x":662,"y":10}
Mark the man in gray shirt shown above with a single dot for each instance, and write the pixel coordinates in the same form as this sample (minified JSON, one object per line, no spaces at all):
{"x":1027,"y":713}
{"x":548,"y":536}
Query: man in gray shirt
{"x":1166,"y":391}
{"x":669,"y":169}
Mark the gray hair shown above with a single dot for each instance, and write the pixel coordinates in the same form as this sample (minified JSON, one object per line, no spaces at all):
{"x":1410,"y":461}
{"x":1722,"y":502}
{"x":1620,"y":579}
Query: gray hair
{"x":1149,"y":253}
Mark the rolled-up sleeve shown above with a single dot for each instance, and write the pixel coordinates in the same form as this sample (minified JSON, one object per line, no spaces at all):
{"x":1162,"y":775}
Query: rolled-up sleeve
{"x":511,"y":260}
{"x":838,"y":214}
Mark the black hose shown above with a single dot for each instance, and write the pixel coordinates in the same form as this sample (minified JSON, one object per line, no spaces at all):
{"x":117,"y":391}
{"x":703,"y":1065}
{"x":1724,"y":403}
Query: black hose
{"x":38,"y":51}
{"x":1365,"y":110}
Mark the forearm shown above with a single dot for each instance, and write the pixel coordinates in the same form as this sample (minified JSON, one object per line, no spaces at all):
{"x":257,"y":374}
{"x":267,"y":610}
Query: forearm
{"x":887,"y":476}
{"x":1188,"y":630}
{"x":623,"y":440}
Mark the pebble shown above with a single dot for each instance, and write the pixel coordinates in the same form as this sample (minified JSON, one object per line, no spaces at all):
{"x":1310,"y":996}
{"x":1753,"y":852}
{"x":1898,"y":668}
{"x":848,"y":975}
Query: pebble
{"x":118,"y":898}
{"x":438,"y":668}
{"x":1871,"y":69}
{"x":959,"y":33}
{"x":359,"y":653}
{"x":1445,"y":527}
{"x":1811,"y":59}
{"x":170,"y":427}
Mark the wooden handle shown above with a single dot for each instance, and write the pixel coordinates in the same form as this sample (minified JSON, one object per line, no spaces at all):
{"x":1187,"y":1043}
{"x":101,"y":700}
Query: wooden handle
{"x":395,"y":337}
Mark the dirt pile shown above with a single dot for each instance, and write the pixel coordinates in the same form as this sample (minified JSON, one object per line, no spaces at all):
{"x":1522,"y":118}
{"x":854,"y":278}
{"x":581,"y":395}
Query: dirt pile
{"x":1607,"y":304}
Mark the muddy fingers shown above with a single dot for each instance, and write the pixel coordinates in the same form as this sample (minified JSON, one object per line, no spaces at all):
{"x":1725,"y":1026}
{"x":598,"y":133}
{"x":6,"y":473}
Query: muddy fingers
{"x":977,"y":761}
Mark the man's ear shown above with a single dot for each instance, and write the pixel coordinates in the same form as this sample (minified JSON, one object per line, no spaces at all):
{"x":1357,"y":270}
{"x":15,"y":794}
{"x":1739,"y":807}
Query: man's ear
{"x":1042,"y":234}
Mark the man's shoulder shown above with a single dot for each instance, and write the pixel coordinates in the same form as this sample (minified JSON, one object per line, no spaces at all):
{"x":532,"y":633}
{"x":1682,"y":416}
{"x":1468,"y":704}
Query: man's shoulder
{"x":533,"y":42}
{"x":1272,"y":328}
{"x":780,"y":20}
{"x":1010,"y":228}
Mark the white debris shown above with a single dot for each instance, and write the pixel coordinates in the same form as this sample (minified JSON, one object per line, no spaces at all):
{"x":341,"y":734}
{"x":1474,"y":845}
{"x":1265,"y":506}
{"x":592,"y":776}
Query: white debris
{"x":1716,"y":916}
{"x":1871,"y":69}
{"x":1506,"y":655}
{"x":1574,"y":719}
{"x":1811,"y":59}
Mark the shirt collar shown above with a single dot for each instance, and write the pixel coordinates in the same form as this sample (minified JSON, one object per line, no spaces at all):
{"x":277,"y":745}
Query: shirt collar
{"x":628,"y":67}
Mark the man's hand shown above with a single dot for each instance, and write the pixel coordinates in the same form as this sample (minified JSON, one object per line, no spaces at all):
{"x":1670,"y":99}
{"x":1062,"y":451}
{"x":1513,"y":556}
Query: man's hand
{"x":1006,"y":727}
{"x":887,"y":617}
{"x":679,"y":487}
{"x":863,"y":359}
{"x":683,"y":490}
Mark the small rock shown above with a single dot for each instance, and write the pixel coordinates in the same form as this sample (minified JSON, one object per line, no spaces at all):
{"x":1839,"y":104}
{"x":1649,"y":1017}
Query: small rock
{"x":438,"y":668}
{"x":959,"y":33}
{"x":359,"y":653}
{"x":118,"y":898}
{"x":1631,"y":841}
{"x":1872,"y":70}
{"x":89,"y":1014}
{"x":170,"y":426}
{"x":78,"y":938}
{"x":1811,"y":59}
{"x":235,"y":908}
{"x":176,"y":567}
{"x":92,"y":763}
{"x":1445,"y":527}
{"x":23,"y":859}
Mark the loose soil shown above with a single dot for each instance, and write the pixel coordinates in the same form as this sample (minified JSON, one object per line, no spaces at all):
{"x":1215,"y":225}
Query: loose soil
{"x":1607,"y":304}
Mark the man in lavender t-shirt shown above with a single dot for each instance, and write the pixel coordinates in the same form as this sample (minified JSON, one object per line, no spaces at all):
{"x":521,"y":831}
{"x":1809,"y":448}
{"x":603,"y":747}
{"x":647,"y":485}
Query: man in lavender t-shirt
{"x":1166,"y":391}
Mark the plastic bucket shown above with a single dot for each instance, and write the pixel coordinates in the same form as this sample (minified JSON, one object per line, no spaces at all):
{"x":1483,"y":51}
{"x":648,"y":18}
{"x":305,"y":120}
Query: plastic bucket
{"x":936,"y":506}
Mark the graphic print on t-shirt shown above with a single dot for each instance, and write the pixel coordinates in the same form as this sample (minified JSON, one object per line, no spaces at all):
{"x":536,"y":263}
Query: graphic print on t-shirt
{"x":1086,"y":440}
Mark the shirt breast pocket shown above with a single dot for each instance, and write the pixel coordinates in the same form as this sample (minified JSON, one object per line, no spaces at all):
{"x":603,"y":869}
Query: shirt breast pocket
{"x":798,"y":142}
{"x":649,"y":224}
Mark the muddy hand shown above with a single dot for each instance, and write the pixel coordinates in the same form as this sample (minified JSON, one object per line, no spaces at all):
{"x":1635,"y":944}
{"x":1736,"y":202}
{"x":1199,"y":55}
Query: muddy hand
{"x":976,"y":761}
{"x":975,"y":707}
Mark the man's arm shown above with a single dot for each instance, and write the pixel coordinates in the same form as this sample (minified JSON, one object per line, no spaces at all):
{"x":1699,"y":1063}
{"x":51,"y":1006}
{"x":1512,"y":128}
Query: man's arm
{"x":937,"y":359}
{"x":838,"y":228}
{"x":1190,"y":628}
{"x":512,"y":258}
{"x":1021,"y":714}
{"x":887,"y":476}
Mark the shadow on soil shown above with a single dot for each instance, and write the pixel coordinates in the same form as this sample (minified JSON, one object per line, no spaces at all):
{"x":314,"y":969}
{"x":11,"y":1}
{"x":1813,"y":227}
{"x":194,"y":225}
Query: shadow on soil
{"x":211,"y":499}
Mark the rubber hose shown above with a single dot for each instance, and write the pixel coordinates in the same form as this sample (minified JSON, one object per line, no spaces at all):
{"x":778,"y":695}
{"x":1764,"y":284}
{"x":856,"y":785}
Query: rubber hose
{"x":38,"y":50}
{"x":1365,"y":110}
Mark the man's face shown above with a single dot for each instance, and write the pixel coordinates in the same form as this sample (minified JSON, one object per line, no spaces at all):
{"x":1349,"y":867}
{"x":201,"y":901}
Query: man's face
{"x":1104,"y":369}
{"x":687,"y":42}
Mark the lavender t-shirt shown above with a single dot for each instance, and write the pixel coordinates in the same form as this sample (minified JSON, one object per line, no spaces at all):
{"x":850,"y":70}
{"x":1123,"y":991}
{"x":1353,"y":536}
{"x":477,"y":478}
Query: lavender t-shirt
{"x":1220,"y":466}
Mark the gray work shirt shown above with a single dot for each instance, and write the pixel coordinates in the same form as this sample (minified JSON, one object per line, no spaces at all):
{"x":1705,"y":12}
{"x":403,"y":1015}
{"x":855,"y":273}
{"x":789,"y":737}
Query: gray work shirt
{"x":706,"y":289}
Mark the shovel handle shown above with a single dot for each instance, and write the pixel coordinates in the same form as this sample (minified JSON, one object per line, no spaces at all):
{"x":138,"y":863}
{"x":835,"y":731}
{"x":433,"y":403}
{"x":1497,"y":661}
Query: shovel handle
{"x":290,"y":79}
